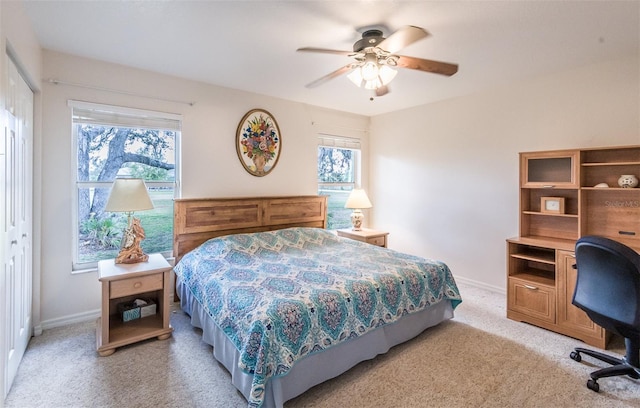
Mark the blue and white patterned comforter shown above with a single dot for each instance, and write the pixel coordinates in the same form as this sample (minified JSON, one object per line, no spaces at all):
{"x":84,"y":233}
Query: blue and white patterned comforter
{"x":282,"y":295}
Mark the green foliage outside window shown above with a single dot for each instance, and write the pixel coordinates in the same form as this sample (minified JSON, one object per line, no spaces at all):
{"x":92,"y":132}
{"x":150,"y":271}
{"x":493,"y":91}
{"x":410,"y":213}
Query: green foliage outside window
{"x":107,"y":152}
{"x":104,"y":233}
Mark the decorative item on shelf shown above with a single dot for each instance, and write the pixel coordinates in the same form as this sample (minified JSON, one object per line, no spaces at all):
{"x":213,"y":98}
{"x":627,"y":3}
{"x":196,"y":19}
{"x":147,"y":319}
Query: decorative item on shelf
{"x":357,"y":201}
{"x":601,"y":185}
{"x":628,"y":181}
{"x":552,"y":205}
{"x":137,"y":309}
{"x":128,"y":311}
{"x":148,"y":307}
{"x":258,"y":142}
{"x":129,"y":195}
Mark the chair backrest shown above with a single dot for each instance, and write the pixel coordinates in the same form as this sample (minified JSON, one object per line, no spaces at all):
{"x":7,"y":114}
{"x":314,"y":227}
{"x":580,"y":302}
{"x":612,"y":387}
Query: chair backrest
{"x":608,"y":284}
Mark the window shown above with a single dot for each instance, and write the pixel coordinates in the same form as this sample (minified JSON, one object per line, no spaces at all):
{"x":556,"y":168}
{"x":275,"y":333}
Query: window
{"x":112,"y":142}
{"x":338,"y":174}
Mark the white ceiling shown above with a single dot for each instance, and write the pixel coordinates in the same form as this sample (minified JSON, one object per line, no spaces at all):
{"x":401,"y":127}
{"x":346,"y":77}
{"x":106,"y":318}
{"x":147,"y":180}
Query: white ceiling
{"x":251,"y":45}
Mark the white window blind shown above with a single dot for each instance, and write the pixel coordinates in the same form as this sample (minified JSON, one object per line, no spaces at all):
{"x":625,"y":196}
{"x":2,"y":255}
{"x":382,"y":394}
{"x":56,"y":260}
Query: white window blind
{"x":340,"y":142}
{"x":100,"y":114}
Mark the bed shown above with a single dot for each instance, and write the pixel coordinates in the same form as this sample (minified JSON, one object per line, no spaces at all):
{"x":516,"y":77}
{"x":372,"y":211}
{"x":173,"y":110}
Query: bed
{"x":287,"y":304}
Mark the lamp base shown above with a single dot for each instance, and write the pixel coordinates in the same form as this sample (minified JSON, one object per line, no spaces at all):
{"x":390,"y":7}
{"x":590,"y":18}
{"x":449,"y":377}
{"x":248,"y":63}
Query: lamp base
{"x":126,"y":258}
{"x":356,"y":220}
{"x":131,"y":252}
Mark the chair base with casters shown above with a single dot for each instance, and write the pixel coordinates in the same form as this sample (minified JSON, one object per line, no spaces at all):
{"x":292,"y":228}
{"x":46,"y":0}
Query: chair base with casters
{"x":619,"y":366}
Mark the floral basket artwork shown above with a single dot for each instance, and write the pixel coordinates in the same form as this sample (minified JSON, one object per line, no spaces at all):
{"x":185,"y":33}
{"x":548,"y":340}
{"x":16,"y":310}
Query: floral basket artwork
{"x":258,"y":142}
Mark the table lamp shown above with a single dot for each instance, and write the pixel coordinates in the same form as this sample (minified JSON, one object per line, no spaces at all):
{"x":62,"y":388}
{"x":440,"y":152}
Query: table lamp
{"x":128,"y":195}
{"x":357,"y":201}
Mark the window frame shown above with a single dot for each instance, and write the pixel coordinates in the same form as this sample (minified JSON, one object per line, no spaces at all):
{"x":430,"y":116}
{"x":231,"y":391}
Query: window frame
{"x":113,"y":115}
{"x":346,"y":143}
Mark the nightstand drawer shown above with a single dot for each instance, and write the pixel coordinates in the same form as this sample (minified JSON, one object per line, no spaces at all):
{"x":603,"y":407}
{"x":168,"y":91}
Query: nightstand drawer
{"x":132,"y":286}
{"x":379,"y":241}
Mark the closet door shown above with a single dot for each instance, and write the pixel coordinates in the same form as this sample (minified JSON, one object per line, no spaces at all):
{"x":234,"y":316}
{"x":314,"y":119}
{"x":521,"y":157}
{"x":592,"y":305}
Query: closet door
{"x":17,"y":222}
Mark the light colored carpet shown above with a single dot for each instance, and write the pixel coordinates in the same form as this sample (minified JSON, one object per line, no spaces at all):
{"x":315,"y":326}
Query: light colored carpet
{"x":479,"y":359}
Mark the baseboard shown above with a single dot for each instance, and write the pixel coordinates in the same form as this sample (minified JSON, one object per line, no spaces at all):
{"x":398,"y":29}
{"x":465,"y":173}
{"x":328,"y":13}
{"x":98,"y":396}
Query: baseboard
{"x":480,"y":285}
{"x":94,"y":314}
{"x":66,"y":320}
{"x":70,"y":319}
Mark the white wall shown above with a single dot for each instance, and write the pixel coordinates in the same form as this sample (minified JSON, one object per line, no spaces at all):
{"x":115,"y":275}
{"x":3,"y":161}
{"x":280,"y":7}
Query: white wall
{"x":18,"y":35}
{"x":444,"y":176}
{"x":210,"y":166}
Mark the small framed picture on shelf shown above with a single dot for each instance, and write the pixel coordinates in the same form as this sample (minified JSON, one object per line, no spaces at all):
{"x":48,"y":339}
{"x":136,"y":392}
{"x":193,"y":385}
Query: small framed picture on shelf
{"x":552,"y":205}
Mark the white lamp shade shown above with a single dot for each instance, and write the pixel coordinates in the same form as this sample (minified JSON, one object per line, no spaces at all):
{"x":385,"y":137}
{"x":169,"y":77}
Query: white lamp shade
{"x":358,"y":199}
{"x":387,"y":74}
{"x":369,"y":71}
{"x":128,"y":195}
{"x":356,"y":77}
{"x":373,"y":84}
{"x":384,"y":75}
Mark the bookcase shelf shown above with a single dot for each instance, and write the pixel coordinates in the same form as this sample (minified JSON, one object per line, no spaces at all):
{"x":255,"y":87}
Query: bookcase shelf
{"x":540,"y":261}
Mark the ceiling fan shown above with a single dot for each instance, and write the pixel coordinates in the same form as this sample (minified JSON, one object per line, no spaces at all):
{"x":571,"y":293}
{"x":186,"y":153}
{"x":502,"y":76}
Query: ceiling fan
{"x":375,"y":56}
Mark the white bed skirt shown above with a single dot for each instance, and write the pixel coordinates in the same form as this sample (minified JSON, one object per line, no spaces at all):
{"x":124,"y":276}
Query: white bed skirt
{"x":315,"y":368}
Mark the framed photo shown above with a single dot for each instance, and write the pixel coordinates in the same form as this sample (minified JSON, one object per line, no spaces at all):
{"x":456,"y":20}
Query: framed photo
{"x":553,"y":205}
{"x":258,"y":142}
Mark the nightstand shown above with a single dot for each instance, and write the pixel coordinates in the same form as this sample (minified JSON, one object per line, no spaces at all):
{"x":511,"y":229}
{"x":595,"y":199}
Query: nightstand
{"x":123,"y":283}
{"x":369,"y":236}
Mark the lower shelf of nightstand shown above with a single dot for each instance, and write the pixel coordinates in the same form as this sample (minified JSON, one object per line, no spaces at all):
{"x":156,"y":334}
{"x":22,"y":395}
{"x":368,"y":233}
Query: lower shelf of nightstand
{"x":124,"y":333}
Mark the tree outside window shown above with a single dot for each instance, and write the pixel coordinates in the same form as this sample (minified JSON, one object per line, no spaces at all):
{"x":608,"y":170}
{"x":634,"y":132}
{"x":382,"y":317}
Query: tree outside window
{"x":105,"y":152}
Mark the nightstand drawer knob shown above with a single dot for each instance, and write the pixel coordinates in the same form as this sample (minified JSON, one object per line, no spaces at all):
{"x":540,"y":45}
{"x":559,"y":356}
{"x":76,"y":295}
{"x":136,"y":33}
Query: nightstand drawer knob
{"x":137,"y":285}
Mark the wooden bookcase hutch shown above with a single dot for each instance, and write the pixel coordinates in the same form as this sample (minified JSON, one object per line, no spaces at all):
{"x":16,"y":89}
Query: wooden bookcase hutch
{"x":540,"y":274}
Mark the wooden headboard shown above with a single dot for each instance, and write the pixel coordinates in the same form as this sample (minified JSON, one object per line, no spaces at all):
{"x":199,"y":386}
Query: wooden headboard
{"x":199,"y":219}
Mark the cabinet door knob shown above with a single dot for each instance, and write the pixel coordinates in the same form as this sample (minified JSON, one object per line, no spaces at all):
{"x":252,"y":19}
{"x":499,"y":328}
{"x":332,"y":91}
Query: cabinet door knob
{"x":531,"y":287}
{"x":137,"y":285}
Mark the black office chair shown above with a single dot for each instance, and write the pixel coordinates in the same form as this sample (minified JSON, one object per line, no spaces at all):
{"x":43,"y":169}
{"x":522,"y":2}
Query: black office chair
{"x":608,"y":290}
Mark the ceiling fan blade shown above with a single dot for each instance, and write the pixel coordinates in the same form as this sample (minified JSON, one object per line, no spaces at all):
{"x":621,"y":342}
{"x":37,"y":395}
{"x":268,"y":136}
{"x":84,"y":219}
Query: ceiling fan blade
{"x":326,"y":51}
{"x":383,"y":90}
{"x":329,"y":76}
{"x":402,"y":38}
{"x":436,"y":67}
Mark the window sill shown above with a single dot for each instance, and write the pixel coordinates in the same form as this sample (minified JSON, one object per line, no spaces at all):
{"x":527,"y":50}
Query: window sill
{"x":87,"y":270}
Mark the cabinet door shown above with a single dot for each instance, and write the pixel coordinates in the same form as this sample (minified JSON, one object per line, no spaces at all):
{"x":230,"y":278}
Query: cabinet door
{"x":569,"y":316}
{"x":554,"y":169}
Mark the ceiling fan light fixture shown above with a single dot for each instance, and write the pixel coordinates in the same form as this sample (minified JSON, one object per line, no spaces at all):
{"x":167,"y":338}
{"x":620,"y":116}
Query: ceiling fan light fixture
{"x":387,"y":74}
{"x":355,"y":76}
{"x":370,"y":70}
{"x":375,"y":59}
{"x":383,"y":76}
{"x":373,"y":84}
